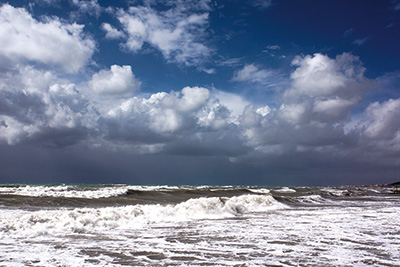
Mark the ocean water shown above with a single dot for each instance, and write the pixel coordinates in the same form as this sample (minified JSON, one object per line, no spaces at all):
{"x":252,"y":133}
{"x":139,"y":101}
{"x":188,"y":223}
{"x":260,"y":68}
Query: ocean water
{"x":123,"y":225}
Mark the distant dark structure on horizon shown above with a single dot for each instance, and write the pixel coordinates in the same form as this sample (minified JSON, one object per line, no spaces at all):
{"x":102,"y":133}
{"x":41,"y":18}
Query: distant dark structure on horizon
{"x":396,"y":187}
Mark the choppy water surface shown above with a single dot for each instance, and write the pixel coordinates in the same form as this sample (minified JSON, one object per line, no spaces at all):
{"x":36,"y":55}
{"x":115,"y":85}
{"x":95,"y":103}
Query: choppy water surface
{"x":121,"y":225}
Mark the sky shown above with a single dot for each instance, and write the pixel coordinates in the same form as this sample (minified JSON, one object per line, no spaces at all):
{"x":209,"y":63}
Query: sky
{"x":241,"y":92}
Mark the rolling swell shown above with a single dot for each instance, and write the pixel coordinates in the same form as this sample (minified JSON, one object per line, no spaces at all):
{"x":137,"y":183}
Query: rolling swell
{"x":76,"y":196}
{"x":330,"y":196}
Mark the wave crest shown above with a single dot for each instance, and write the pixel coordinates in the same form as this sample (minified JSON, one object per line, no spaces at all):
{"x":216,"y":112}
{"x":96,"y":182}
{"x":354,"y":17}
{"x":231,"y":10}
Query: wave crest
{"x":91,"y":220}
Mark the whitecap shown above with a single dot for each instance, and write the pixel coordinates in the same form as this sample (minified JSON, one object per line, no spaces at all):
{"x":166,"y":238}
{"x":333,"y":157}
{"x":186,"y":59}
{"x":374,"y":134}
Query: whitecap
{"x":285,"y":190}
{"x":66,"y":191}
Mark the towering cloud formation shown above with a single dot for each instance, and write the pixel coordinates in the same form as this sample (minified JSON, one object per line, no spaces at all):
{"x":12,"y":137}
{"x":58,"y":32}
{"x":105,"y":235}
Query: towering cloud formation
{"x":36,"y":106}
{"x":315,"y":112}
{"x":326,"y":89}
{"x":315,"y":107}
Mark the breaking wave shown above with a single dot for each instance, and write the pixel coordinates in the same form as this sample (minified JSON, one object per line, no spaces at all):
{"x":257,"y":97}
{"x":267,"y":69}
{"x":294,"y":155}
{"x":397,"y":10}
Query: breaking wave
{"x":89,"y":220}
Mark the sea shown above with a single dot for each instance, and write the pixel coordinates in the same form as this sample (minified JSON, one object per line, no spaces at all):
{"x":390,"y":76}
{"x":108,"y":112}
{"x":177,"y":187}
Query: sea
{"x":134,"y":225}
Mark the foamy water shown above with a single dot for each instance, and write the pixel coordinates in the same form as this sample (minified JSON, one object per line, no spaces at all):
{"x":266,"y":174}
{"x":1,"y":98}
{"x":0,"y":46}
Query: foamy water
{"x":119,"y":225}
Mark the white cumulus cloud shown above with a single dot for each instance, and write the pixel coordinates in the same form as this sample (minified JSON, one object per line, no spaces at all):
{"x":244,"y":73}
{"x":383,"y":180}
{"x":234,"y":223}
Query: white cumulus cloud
{"x":190,"y":121}
{"x":36,"y":105}
{"x":50,"y":42}
{"x":118,"y":81}
{"x":235,"y":103}
{"x":328,"y":87}
{"x":383,"y":119}
{"x":314,"y":107}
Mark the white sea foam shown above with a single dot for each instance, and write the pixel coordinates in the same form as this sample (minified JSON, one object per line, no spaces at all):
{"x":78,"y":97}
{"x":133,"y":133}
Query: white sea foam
{"x":89,"y":192}
{"x":95,"y":192}
{"x":260,"y":190}
{"x":88,"y":220}
{"x":285,"y":190}
{"x":65,"y":191}
{"x":312,"y":199}
{"x":156,"y":187}
{"x":335,"y":192}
